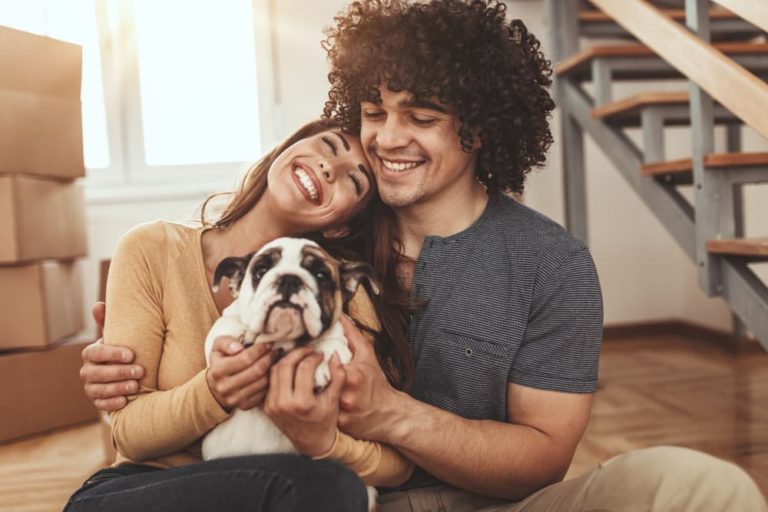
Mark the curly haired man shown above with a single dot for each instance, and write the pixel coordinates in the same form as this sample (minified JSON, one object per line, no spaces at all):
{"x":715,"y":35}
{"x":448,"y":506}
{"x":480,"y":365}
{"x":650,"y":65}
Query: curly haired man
{"x":451,"y":101}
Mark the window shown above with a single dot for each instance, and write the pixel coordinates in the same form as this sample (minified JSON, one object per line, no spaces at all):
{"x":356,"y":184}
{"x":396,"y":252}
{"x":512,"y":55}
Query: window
{"x":170,"y":91}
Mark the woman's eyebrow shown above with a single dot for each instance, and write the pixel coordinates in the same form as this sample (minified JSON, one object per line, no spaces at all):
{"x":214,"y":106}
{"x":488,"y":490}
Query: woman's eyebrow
{"x":343,"y":140}
{"x":367,"y":174}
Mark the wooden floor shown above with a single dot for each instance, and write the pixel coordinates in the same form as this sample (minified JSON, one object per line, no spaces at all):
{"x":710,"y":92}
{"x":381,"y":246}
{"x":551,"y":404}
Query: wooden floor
{"x":664,"y":390}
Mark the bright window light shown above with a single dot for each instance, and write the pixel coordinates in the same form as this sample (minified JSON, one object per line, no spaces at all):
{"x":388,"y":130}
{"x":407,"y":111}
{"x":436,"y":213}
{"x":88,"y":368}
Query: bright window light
{"x":73,"y":21}
{"x":197,"y":70}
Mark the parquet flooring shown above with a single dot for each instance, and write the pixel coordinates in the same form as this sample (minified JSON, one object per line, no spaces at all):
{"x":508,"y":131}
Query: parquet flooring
{"x":663,"y":390}
{"x":682,"y":392}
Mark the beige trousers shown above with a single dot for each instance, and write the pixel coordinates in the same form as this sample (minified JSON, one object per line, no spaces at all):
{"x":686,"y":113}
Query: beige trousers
{"x":651,"y":479}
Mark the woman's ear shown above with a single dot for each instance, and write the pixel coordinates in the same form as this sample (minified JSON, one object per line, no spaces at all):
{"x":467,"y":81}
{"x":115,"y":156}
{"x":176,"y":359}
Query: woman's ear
{"x":335,"y":233}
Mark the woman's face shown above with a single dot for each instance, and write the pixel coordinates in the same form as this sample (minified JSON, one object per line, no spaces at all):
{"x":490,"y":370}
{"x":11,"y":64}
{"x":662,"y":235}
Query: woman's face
{"x":322,"y":181}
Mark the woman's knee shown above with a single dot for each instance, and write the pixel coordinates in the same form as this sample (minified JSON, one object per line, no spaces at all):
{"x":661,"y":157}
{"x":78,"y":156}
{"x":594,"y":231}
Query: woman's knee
{"x":329,"y":485}
{"x":310,"y":484}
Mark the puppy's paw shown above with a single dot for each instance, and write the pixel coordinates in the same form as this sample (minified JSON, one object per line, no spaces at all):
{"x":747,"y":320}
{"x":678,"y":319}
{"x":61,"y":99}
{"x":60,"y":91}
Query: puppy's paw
{"x":322,"y":376}
{"x":372,"y":496}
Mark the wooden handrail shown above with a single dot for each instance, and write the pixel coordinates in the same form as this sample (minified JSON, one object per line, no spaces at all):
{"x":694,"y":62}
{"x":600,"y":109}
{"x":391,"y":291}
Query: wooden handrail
{"x":754,"y":11}
{"x":727,"y":82}
{"x":716,"y":13}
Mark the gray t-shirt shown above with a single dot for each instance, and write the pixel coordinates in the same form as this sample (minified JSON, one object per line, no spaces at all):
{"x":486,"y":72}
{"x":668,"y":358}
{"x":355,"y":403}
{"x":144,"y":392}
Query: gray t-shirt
{"x":513,"y":298}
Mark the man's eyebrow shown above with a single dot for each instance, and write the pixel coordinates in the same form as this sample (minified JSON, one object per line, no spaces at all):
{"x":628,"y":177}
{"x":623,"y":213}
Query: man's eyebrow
{"x":343,"y":140}
{"x":426,"y":104}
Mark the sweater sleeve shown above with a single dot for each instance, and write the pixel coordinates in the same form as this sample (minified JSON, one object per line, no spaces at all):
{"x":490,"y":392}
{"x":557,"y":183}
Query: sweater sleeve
{"x":375,"y":463}
{"x":154,"y":423}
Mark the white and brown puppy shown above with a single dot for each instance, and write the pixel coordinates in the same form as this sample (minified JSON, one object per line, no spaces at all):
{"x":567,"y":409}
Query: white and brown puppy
{"x":290,"y":293}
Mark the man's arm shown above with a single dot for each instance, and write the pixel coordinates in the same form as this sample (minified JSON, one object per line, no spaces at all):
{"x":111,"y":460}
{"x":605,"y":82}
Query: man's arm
{"x":508,"y":460}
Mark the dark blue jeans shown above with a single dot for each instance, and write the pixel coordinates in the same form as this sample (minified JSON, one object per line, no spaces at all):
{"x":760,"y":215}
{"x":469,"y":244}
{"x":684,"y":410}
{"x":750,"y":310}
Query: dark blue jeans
{"x":280,"y":483}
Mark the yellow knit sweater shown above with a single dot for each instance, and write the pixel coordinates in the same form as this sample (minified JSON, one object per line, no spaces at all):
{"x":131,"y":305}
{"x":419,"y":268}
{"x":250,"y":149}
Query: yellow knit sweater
{"x":160,"y":306}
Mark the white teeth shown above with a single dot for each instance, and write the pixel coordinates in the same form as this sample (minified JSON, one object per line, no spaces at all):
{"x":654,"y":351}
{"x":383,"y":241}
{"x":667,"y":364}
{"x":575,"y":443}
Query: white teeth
{"x":399,"y":166}
{"x":306,"y":182}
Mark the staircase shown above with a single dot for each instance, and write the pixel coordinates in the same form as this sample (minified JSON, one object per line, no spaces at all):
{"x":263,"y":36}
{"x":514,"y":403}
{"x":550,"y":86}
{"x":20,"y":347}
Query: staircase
{"x":718,"y":52}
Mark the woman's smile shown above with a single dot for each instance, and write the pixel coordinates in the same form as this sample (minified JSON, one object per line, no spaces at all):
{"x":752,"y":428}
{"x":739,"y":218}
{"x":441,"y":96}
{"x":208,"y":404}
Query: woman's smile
{"x":307,"y":183}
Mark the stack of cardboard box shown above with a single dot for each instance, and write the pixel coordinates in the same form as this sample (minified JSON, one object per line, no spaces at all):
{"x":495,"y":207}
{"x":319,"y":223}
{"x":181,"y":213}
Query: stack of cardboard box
{"x":42,"y":232}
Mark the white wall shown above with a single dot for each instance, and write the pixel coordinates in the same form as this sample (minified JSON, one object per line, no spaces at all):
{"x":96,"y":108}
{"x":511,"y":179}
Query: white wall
{"x":644,"y":274}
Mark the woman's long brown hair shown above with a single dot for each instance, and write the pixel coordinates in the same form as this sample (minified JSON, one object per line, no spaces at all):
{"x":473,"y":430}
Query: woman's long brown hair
{"x":372,"y":239}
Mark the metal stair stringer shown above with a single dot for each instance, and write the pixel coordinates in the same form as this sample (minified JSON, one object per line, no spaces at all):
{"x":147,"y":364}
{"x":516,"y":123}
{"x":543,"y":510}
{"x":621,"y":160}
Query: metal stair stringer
{"x":745,"y":293}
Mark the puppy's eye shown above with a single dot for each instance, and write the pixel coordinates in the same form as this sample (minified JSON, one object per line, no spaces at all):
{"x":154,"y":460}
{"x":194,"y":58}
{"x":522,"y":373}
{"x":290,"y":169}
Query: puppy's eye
{"x":259,"y":272}
{"x":322,"y":276}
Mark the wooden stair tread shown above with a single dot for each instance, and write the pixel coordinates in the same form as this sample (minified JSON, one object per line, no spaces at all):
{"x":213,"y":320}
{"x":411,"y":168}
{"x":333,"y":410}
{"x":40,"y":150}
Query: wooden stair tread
{"x":637,"y":50}
{"x":716,"y":13}
{"x":749,"y":247}
{"x":669,"y":167}
{"x":636,"y":102}
{"x":715,"y":160}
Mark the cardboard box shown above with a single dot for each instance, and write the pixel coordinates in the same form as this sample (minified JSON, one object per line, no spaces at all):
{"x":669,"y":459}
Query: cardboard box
{"x":40,"y":135}
{"x":40,"y":219}
{"x":40,"y":112}
{"x":42,"y":391}
{"x":38,"y":64}
{"x":41,"y":302}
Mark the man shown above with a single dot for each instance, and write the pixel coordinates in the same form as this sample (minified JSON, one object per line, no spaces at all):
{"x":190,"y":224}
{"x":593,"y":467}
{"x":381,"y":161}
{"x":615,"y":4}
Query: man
{"x":451,"y":103}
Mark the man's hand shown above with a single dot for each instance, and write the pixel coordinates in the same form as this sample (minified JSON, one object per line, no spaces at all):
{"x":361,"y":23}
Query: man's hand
{"x":107,"y":372}
{"x":307,"y":419}
{"x":368,"y":402}
{"x":238,"y":377}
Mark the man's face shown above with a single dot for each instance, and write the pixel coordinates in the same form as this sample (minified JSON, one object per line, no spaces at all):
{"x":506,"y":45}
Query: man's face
{"x":415,"y":150}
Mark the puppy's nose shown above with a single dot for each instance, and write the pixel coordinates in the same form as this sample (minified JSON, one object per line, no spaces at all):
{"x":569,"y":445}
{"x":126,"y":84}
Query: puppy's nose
{"x":288,"y":284}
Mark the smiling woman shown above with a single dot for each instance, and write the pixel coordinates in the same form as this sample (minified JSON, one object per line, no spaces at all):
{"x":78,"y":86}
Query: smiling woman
{"x":316,"y":183}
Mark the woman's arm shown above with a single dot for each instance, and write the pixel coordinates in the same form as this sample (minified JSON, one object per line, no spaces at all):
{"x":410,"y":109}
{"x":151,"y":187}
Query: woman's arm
{"x":154,"y":423}
{"x":375,"y":463}
{"x":309,"y":419}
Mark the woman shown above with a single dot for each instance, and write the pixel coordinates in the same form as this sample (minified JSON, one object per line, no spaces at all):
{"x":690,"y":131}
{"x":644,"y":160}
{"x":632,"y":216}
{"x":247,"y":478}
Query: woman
{"x":317,"y":183}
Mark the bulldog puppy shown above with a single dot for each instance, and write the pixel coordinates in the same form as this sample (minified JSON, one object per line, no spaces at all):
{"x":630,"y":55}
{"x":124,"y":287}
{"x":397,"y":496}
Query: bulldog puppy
{"x":290,"y":293}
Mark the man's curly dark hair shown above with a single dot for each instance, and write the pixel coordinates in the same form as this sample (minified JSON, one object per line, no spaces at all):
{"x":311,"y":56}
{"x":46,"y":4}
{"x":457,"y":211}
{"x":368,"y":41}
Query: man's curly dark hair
{"x":489,"y":70}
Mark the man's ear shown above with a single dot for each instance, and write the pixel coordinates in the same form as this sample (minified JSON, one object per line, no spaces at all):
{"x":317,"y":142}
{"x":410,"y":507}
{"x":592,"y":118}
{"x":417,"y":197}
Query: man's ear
{"x":335,"y":233}
{"x":477,"y":141}
{"x":234,"y":268}
{"x":352,"y":273}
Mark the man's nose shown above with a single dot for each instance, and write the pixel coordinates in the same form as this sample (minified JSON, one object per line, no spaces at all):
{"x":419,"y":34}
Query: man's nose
{"x":391,"y":134}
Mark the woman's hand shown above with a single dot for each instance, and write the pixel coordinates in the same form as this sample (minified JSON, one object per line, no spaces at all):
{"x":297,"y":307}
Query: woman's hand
{"x":307,"y":418}
{"x":238,"y":377}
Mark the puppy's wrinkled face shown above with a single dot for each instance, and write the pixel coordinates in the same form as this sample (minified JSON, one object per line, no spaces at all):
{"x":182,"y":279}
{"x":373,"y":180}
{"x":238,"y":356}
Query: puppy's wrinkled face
{"x":291,"y":290}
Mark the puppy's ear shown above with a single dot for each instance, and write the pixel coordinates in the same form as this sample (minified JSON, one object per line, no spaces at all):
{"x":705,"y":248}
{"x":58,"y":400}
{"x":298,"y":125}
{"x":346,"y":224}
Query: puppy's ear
{"x":352,"y":273}
{"x":233,"y":268}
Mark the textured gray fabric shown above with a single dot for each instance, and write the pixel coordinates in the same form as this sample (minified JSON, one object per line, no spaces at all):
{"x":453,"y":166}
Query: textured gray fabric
{"x":513,"y":298}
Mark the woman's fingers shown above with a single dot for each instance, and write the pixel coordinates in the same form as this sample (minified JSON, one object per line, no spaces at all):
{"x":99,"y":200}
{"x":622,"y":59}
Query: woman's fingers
{"x":233,"y":368}
{"x":283,"y":372}
{"x":257,"y":371}
{"x":227,"y":360}
{"x":304,"y":384}
{"x":251,"y":395}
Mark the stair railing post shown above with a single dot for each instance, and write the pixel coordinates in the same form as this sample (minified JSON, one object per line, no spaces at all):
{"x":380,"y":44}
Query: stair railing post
{"x":733,"y":144}
{"x":712,"y":196}
{"x":563,"y":16}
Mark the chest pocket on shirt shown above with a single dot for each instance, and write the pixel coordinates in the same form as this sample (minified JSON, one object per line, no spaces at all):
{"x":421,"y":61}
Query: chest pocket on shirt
{"x":464,"y":375}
